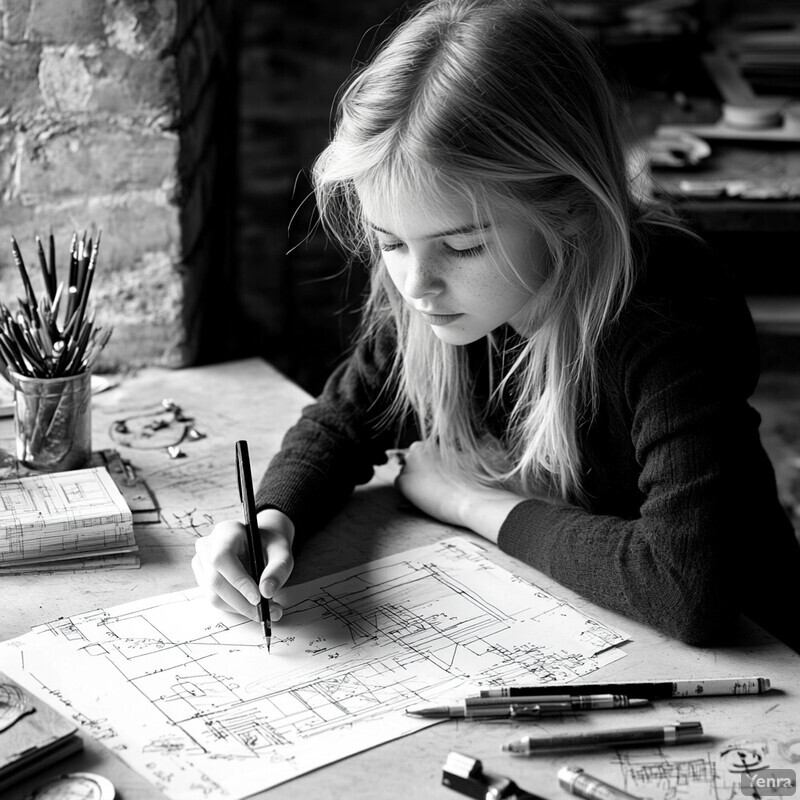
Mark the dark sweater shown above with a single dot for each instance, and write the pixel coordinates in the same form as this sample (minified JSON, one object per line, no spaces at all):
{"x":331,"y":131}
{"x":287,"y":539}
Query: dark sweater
{"x":683,"y":528}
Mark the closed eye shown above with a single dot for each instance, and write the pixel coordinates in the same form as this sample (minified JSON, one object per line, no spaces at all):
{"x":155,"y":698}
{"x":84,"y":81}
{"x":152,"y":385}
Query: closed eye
{"x":466,"y":252}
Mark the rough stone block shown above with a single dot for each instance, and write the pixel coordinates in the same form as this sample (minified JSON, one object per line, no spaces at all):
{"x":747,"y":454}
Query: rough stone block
{"x":74,"y":79}
{"x":8,"y":160}
{"x":19,"y":90}
{"x":14,"y":16}
{"x":141,"y":31}
{"x":143,"y":303}
{"x":66,"y":21}
{"x":62,"y":161}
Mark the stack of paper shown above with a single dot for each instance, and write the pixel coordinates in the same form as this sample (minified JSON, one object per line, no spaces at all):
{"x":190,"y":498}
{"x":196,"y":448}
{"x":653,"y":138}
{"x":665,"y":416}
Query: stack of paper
{"x":33,"y":734}
{"x":63,"y":521}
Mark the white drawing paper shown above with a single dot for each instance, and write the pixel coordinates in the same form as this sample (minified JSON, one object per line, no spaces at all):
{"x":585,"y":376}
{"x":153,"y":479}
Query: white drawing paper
{"x":190,"y":698}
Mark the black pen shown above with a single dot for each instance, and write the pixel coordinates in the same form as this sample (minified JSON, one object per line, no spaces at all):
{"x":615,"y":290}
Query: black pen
{"x":251,"y":525}
{"x":650,"y":690}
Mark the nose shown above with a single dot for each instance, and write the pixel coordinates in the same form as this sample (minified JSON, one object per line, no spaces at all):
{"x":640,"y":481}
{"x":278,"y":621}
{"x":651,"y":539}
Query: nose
{"x":422,"y":277}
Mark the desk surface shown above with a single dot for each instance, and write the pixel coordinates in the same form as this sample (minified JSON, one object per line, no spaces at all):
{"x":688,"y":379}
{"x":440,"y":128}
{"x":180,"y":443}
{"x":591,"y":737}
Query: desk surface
{"x":250,"y":400}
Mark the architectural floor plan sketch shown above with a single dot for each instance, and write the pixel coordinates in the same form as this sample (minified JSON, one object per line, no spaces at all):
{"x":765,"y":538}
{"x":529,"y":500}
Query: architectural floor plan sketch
{"x":191,"y":699}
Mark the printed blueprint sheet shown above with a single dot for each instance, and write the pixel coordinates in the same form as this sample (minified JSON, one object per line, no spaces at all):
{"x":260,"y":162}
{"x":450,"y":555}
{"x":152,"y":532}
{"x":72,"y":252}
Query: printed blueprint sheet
{"x":190,"y":698}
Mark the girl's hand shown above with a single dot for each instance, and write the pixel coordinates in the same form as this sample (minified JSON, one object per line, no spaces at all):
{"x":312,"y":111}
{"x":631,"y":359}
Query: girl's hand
{"x":440,"y":492}
{"x":221,"y":561}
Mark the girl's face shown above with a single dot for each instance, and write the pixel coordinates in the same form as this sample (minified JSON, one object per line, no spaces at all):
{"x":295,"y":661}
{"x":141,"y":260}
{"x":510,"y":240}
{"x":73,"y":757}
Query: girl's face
{"x":444,"y":262}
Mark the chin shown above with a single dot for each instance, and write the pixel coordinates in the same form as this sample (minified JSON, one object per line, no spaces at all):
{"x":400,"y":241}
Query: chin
{"x":455,"y":337}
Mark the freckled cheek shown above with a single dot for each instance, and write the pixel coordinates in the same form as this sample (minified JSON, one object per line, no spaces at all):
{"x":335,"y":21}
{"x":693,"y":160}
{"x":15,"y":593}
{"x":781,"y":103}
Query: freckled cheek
{"x":483,"y":291}
{"x":395,"y":272}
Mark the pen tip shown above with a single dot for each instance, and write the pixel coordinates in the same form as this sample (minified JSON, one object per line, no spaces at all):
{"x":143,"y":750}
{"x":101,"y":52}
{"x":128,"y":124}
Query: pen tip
{"x":428,"y":712}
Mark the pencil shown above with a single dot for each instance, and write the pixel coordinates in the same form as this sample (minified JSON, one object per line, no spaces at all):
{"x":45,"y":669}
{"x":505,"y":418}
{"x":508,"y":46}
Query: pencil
{"x":26,"y":281}
{"x":251,"y":525}
{"x":54,"y":336}
{"x":47,"y":277}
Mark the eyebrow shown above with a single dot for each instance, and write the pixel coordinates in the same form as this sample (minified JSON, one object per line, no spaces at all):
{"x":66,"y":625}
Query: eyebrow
{"x":452,"y":232}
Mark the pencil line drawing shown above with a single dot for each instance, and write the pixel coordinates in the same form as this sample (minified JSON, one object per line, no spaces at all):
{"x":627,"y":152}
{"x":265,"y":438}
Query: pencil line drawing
{"x":190,"y":698}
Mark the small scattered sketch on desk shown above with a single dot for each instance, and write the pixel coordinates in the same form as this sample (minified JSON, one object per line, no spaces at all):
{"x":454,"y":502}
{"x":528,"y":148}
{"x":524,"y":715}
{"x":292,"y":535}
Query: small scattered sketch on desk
{"x":190,"y":698}
{"x":144,"y":432}
{"x":165,"y":428}
{"x":715,"y":774}
{"x":53,"y":519}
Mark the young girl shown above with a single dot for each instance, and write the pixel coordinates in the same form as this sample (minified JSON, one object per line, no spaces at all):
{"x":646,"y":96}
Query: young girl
{"x":571,"y":366}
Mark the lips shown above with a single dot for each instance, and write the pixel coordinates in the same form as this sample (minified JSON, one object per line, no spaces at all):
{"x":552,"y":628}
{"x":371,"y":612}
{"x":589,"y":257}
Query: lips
{"x":440,"y":319}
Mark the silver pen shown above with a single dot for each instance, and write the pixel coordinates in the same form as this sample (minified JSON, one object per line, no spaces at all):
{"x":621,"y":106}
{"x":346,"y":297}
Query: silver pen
{"x":507,"y":711}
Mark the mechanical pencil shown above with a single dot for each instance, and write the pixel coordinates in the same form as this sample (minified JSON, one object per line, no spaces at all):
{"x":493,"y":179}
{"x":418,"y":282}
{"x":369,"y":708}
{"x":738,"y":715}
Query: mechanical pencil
{"x":676,"y":733}
{"x":651,"y":690}
{"x":576,"y":781}
{"x":251,"y":525}
{"x":509,"y":711}
{"x":576,"y":702}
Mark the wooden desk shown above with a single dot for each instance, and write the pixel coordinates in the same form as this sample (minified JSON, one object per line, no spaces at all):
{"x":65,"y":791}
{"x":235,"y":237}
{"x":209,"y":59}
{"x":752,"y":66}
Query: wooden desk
{"x":248,"y":399}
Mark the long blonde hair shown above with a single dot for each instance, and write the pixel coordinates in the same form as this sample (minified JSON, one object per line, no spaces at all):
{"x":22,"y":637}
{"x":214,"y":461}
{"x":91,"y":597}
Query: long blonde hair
{"x":502,"y":103}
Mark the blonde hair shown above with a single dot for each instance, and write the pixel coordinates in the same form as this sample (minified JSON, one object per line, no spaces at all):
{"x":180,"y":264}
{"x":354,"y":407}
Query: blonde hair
{"x":502,"y":103}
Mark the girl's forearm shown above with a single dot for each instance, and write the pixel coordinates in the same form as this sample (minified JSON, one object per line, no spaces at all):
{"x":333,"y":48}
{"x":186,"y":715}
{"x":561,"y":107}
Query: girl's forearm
{"x":485,"y":511}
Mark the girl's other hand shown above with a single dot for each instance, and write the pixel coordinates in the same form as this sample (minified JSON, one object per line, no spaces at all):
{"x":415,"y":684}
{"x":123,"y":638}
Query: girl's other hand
{"x":449,"y":496}
{"x":221,"y":564}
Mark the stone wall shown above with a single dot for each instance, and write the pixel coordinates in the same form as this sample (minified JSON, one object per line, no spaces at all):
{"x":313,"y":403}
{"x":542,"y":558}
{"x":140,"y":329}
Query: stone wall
{"x":93,"y":135}
{"x":184,"y":129}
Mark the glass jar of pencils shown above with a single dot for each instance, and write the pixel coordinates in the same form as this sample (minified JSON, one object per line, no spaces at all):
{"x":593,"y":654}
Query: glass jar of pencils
{"x":53,"y":421}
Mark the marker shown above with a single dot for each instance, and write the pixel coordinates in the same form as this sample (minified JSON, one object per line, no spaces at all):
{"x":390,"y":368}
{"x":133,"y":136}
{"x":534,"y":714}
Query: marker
{"x":651,"y":690}
{"x":576,"y":702}
{"x":513,"y":710}
{"x":677,"y":733}
{"x":576,"y":781}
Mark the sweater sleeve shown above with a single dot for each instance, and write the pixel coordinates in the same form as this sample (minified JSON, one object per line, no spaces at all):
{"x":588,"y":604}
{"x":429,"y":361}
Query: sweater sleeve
{"x":335,"y":444}
{"x":704,"y":482}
